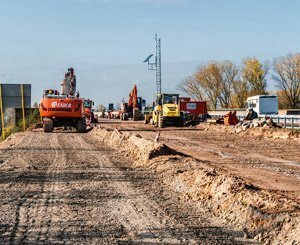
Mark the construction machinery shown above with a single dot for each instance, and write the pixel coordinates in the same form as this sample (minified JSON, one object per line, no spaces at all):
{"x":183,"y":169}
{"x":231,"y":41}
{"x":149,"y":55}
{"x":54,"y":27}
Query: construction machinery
{"x":65,"y":109}
{"x":133,"y":108}
{"x":89,"y":114}
{"x":166,"y":111}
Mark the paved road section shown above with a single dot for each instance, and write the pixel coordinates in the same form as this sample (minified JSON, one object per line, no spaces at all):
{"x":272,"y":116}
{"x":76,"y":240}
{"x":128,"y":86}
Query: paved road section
{"x":67,"y":188}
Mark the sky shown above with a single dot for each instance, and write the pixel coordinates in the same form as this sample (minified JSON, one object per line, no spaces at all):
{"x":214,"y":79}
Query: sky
{"x":107,"y":40}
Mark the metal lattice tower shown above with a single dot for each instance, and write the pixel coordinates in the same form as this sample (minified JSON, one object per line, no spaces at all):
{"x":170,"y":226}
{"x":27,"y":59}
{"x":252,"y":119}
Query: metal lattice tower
{"x":157,"y":65}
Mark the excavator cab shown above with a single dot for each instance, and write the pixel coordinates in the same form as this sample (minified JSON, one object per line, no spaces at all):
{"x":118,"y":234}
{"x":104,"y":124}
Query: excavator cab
{"x":88,"y":104}
{"x":89,"y":114}
{"x":50,"y":92}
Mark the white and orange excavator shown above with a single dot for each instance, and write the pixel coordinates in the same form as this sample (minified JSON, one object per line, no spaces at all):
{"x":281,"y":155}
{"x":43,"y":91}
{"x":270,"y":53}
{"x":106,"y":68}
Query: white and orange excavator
{"x":65,"y":109}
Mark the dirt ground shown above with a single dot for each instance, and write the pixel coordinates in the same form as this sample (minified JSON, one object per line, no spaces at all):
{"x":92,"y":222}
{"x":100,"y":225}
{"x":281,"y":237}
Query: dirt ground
{"x":269,"y":163}
{"x":68,"y":188}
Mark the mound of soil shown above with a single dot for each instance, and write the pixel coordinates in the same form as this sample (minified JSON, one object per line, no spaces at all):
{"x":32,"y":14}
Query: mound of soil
{"x":133,"y":144}
{"x":265,"y":215}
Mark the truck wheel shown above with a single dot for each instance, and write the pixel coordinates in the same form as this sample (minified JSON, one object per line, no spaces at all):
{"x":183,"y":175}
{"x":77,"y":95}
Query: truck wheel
{"x":151,"y":122}
{"x":160,"y":120}
{"x":125,"y":116}
{"x":81,"y":126}
{"x":180,"y":122}
{"x":136,"y":114}
{"x":146,"y":119}
{"x":47,"y":125}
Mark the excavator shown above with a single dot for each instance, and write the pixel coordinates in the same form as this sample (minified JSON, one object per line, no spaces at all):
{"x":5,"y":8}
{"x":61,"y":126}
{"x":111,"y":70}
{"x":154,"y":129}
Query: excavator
{"x":65,"y":109}
{"x":133,"y":107}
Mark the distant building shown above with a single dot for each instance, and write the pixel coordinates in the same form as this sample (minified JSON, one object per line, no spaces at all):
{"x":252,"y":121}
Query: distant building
{"x":12,"y":101}
{"x":110,"y":106}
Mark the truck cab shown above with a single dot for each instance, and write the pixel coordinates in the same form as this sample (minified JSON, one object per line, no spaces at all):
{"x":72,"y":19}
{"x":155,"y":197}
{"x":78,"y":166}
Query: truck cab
{"x":263,"y":104}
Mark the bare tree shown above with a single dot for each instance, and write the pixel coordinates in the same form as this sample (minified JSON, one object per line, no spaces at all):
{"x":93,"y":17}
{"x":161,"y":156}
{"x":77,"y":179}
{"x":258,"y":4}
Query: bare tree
{"x":191,"y":87}
{"x":100,"y":108}
{"x":283,"y":102}
{"x":226,"y":85}
{"x":213,"y":82}
{"x":229,"y":74}
{"x":209,"y":77}
{"x":287,"y":78}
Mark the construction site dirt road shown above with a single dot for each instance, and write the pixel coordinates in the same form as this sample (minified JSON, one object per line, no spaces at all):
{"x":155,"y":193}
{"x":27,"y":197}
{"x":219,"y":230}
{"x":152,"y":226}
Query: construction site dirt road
{"x":272,"y":163}
{"x":69,"y":188}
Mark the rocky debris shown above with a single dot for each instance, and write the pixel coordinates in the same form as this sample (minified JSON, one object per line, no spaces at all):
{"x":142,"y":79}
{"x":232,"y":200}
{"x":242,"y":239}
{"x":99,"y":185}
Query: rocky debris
{"x":265,"y":122}
{"x":251,"y":114}
{"x":265,"y":128}
{"x":264,"y":215}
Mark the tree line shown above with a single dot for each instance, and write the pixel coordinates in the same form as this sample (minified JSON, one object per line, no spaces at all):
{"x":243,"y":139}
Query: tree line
{"x":227,"y":85}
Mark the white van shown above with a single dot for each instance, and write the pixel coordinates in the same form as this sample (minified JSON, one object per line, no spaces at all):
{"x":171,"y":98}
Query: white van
{"x":263,"y":104}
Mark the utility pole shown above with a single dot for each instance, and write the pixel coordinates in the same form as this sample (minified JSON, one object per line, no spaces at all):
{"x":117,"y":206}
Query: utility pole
{"x":157,"y":65}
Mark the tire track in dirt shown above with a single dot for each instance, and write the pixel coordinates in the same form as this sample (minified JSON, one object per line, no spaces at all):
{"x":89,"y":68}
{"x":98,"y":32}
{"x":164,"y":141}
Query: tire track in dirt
{"x":32,"y":208}
{"x":19,"y":229}
{"x":45,"y":211}
{"x":75,"y":190}
{"x":179,"y":224}
{"x":25,"y":201}
{"x":137,"y":216}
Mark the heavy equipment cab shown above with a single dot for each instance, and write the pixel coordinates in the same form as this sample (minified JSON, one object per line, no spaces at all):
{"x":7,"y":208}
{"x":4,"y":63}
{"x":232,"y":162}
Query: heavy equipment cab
{"x":168,"y":99}
{"x":88,"y":111}
{"x":50,"y":93}
{"x":166,"y":111}
{"x":88,"y":104}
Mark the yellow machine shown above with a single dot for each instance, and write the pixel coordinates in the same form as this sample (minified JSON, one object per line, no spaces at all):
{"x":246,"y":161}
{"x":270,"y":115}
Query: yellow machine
{"x":166,"y":111}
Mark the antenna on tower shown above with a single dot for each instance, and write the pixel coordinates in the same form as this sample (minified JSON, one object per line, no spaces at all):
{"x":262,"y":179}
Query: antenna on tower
{"x":156,"y":66}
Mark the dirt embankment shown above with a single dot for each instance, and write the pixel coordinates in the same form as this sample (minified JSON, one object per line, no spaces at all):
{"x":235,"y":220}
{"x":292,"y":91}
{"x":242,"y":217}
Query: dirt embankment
{"x":275,"y":133}
{"x":265,"y":215}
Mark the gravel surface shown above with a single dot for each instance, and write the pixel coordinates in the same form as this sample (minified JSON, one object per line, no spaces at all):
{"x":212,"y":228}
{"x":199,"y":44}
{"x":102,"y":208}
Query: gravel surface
{"x":67,"y":188}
